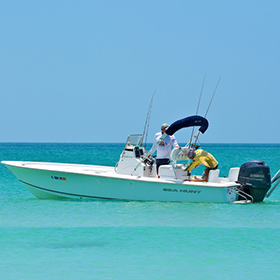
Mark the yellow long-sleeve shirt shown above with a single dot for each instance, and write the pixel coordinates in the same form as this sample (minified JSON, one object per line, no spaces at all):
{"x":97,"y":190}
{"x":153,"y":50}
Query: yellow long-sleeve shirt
{"x":202,"y":157}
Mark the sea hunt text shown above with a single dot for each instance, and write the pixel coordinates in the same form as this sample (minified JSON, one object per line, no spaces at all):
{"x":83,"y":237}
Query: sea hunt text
{"x":180,"y":191}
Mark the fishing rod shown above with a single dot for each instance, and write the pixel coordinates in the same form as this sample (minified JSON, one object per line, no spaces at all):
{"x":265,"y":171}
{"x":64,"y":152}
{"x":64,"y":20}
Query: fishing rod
{"x":147,"y":123}
{"x":200,"y":93}
{"x":147,"y":155}
{"x":197,"y":134}
{"x":212,"y":97}
{"x":198,"y":102}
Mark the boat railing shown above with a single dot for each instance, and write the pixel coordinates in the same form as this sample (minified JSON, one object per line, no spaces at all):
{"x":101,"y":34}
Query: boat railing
{"x":275,"y":179}
{"x":247,"y":198}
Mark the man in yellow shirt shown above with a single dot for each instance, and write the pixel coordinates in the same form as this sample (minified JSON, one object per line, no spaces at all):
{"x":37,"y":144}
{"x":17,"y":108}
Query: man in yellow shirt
{"x":201,"y":157}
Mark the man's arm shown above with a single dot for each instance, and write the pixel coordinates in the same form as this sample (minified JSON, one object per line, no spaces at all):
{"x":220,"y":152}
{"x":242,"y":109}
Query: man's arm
{"x":195,"y":163}
{"x":174,"y":142}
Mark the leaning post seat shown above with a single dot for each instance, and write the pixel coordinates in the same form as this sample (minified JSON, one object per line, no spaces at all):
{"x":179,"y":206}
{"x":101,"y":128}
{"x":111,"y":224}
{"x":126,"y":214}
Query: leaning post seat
{"x":213,"y":175}
{"x":233,"y":174}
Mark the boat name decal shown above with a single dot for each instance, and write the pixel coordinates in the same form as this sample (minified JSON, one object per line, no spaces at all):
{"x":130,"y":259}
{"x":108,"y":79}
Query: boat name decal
{"x":180,"y":190}
{"x":58,"y":178}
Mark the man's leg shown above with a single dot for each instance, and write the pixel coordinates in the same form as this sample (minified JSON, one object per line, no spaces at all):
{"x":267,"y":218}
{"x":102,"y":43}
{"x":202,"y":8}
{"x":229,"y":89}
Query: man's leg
{"x":162,"y":161}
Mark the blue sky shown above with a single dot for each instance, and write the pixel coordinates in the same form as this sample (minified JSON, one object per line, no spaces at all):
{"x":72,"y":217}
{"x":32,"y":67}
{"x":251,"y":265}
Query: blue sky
{"x":85,"y":71}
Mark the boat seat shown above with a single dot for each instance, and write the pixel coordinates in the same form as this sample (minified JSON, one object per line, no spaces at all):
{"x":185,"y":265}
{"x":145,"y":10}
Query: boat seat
{"x":213,"y":175}
{"x":233,"y":174}
{"x":167,"y":171}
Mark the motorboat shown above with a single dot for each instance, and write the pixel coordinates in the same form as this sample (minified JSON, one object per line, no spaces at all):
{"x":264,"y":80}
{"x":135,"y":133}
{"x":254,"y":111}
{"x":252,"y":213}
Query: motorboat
{"x":134,"y":178}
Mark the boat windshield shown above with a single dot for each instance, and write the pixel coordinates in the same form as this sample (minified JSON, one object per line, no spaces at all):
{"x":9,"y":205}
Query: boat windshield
{"x":133,"y":141}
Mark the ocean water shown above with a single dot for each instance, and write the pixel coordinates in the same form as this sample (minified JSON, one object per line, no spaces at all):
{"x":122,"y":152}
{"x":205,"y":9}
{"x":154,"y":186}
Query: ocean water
{"x":79,"y":239}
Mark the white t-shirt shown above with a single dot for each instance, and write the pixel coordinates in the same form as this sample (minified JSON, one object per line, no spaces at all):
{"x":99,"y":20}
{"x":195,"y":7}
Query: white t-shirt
{"x":164,"y":147}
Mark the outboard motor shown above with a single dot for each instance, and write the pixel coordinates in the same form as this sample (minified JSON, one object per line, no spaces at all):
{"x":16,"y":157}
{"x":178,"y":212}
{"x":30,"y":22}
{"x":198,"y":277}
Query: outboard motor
{"x":254,"y":176}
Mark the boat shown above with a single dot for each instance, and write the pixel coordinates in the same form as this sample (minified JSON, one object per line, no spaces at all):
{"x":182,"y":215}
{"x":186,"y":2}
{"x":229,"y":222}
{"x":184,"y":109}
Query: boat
{"x":134,"y":178}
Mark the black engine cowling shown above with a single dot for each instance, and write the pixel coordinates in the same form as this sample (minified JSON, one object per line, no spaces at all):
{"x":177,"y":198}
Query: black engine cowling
{"x":255,"y":178}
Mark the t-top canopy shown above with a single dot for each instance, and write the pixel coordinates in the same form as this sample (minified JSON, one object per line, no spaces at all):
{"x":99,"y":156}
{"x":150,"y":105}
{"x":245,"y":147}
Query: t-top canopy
{"x":187,"y":122}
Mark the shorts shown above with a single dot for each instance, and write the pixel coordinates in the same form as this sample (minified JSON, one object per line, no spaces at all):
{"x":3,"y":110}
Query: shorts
{"x":208,"y":168}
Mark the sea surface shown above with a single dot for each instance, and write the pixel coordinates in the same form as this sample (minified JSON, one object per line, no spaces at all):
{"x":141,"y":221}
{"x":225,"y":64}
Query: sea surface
{"x":86,"y":239}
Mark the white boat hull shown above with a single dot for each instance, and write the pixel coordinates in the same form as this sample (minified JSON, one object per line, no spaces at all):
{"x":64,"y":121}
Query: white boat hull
{"x":55,"y":180}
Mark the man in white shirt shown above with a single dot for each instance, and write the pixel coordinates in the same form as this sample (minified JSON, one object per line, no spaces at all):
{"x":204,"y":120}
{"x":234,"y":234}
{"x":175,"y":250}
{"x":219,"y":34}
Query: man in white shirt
{"x":164,"y":147}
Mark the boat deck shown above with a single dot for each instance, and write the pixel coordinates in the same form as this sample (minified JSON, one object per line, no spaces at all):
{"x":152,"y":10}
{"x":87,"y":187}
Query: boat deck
{"x":62,"y":167}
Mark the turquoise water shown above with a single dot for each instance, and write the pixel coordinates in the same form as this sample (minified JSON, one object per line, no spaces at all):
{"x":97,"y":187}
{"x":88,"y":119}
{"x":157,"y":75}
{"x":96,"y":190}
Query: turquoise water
{"x":73,"y":239}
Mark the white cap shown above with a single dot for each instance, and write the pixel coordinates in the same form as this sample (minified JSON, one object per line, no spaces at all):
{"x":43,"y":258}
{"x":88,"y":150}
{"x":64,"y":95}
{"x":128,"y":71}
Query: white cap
{"x":164,"y":126}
